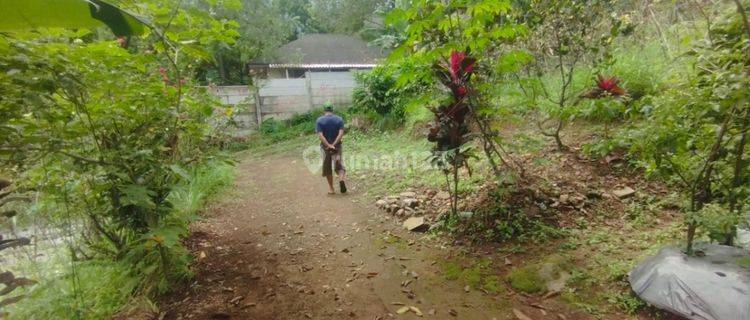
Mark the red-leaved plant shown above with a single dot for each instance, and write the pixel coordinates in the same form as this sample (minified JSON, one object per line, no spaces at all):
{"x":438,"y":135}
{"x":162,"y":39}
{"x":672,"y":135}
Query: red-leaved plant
{"x":605,"y":87}
{"x":450,"y":130}
{"x":449,"y":127}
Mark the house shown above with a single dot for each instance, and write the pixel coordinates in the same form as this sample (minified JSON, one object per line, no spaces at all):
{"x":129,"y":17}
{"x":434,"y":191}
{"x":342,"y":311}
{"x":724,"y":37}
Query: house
{"x":319,"y":53}
{"x":310,"y":71}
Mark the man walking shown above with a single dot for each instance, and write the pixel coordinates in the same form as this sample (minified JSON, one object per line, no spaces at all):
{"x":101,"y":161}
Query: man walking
{"x":330,"y":129}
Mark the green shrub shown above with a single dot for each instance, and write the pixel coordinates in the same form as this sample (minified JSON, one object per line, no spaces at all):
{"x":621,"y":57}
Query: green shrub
{"x":376,"y":92}
{"x":154,"y":263}
{"x":503,"y":219}
{"x":273,"y":130}
{"x":271,"y":126}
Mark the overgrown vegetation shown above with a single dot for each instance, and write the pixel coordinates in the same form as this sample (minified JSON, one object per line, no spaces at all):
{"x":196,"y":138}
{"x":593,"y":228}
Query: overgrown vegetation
{"x":662,"y":89}
{"x":552,"y":52}
{"x":110,"y":148}
{"x":109,"y":141}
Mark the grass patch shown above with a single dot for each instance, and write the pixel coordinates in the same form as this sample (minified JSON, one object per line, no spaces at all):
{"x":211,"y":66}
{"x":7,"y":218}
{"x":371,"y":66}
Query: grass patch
{"x":493,"y":284}
{"x":526,"y":279}
{"x":535,"y":277}
{"x":478,"y":276}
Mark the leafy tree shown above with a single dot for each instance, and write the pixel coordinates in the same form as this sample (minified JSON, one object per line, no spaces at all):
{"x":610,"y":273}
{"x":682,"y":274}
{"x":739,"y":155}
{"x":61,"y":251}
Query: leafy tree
{"x":697,"y":131}
{"x":347,"y":17}
{"x":262,"y":27}
{"x":102,"y":129}
{"x":565,"y":35}
{"x":460,"y":39}
{"x":386,"y":31}
{"x":298,"y":11}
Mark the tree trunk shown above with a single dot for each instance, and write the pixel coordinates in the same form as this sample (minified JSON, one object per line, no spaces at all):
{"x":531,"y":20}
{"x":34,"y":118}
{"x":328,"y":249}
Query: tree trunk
{"x":739,"y":168}
{"x":558,"y":141}
{"x":701,"y":189}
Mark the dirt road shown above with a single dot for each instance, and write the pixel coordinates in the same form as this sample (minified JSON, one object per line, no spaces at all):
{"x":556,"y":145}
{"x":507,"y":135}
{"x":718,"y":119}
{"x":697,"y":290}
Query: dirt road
{"x":278,"y":247}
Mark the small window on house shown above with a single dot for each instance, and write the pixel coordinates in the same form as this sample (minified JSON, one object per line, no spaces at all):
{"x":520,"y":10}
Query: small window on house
{"x":296,"y":73}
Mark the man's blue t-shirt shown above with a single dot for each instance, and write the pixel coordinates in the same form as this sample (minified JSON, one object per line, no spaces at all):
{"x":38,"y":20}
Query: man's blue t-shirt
{"x":329,"y":125}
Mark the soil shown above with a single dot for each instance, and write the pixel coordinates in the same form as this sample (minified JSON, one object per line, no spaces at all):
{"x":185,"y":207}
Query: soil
{"x":277,"y":247}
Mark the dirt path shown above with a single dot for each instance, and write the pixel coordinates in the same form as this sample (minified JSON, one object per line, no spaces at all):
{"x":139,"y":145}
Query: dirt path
{"x":277,"y":247}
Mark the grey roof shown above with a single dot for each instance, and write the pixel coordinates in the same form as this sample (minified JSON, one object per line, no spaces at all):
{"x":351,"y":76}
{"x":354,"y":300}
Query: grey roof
{"x":328,"y":49}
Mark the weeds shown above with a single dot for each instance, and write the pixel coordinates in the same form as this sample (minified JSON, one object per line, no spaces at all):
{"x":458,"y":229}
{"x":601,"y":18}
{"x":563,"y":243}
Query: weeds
{"x":156,"y":263}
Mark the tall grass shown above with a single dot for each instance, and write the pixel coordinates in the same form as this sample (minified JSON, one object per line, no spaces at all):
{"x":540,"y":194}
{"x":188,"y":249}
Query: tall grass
{"x":205,"y":181}
{"x":94,"y":290}
{"x":100,"y":288}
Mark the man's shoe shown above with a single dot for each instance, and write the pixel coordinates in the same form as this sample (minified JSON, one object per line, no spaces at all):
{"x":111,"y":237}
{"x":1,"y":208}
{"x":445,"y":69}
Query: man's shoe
{"x":342,"y":186}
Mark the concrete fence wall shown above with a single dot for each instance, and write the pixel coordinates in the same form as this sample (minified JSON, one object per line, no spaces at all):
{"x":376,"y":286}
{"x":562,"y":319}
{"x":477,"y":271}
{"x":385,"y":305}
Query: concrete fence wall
{"x":283,"y":98}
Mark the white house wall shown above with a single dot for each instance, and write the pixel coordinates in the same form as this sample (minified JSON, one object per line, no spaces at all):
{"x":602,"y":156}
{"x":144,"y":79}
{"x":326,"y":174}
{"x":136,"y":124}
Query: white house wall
{"x":282,"y":98}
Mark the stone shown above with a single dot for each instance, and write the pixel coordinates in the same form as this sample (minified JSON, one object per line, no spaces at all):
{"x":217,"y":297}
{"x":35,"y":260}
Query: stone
{"x":623,"y":192}
{"x":381,"y":203}
{"x":577,"y":200}
{"x":408,"y":194}
{"x":416,"y":224}
{"x":400,"y":212}
{"x":410,"y":202}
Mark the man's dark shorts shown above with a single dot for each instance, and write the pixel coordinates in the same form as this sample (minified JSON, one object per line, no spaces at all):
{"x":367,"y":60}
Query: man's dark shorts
{"x":331,"y":159}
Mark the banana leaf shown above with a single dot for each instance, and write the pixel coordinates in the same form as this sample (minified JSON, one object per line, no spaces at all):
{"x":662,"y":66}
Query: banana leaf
{"x":33,"y":14}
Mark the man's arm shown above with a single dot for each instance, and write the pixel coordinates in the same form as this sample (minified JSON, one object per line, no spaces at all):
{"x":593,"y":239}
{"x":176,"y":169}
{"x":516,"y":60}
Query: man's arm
{"x":324,"y":141}
{"x":338,"y":137}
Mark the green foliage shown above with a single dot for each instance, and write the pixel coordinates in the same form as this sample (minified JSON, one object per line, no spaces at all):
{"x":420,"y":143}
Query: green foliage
{"x":9,"y":280}
{"x":696,"y":131}
{"x":34,"y":14}
{"x":376,"y":92}
{"x":641,"y":67}
{"x":189,"y":196}
{"x":347,"y":17}
{"x":92,"y":290}
{"x":262,"y":27}
{"x":564,"y":34}
{"x":100,"y":133}
{"x":154,"y":263}
{"x":534,"y":277}
{"x":626,"y":302}
{"x":502,"y":220}
{"x":716,"y":221}
{"x":380,"y":99}
{"x":299,"y":125}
